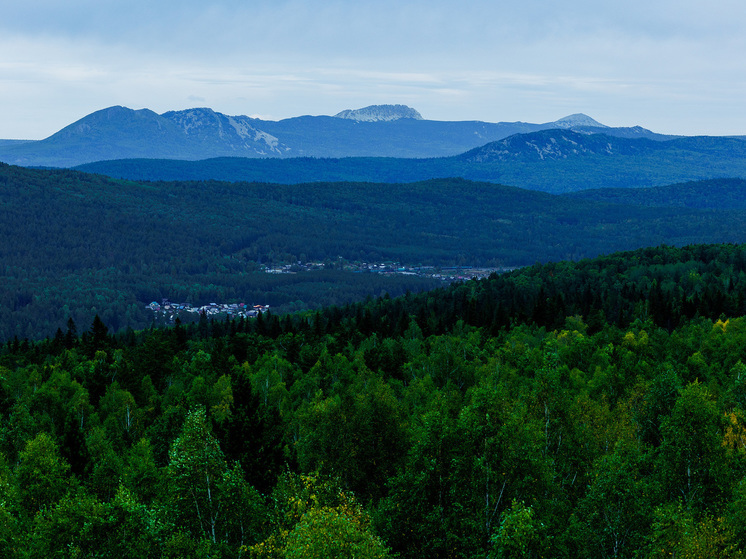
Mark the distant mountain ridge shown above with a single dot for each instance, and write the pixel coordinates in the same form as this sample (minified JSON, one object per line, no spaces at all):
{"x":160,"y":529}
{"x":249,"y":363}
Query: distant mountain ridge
{"x":237,"y":133}
{"x":557,"y":160}
{"x":202,"y":133}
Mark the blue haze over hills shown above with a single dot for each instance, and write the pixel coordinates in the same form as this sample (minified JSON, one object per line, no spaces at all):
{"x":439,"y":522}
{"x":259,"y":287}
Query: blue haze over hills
{"x":201,"y":133}
{"x":380,"y":143}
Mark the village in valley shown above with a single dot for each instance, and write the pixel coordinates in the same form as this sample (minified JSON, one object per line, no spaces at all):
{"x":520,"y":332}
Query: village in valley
{"x":446,"y":274}
{"x":170,"y":311}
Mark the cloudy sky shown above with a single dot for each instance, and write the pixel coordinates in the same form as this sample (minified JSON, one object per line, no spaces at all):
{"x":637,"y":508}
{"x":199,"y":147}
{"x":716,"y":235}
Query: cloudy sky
{"x":674,"y":66}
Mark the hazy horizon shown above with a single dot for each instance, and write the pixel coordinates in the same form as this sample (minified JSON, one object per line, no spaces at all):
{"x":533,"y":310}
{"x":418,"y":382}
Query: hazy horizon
{"x":672,"y":67}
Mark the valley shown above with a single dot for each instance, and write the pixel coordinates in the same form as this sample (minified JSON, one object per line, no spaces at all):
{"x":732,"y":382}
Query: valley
{"x":76,"y":245}
{"x":550,"y":323}
{"x":167,"y":312}
{"x":446,"y":274}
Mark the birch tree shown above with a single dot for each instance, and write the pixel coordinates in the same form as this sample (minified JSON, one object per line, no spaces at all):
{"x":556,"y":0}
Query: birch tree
{"x":208,"y":498}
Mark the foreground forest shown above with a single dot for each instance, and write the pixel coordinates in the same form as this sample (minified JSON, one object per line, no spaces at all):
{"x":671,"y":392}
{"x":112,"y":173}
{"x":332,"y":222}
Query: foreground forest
{"x":588,"y":409}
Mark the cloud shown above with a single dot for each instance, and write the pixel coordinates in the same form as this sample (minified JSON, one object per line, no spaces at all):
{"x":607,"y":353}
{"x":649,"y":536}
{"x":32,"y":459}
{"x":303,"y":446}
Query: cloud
{"x":450,"y":60}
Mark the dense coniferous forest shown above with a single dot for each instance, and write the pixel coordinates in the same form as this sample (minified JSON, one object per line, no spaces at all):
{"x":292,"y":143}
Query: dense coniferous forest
{"x":574,"y":409}
{"x":76,"y":245}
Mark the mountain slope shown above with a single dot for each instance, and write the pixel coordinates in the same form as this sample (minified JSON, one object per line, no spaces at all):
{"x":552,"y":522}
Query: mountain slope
{"x":118,"y":132}
{"x":240,"y":134}
{"x":194,"y":134}
{"x":559,"y":144}
{"x":555,"y":161}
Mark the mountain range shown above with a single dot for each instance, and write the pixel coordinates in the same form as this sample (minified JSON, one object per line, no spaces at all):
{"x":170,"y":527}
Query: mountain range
{"x":379,"y":143}
{"x":202,"y":133}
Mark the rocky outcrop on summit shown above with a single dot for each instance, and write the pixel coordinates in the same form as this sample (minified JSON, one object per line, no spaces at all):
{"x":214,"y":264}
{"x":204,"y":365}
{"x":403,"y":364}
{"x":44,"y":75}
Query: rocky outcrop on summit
{"x":576,"y":121}
{"x":222,"y":133}
{"x":380,"y":113}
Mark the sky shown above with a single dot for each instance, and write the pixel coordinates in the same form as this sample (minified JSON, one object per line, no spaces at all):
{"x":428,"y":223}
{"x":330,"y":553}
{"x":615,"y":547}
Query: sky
{"x":673,"y":66}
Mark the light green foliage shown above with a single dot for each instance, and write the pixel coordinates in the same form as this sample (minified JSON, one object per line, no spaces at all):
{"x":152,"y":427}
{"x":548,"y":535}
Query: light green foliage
{"x":107,"y":466}
{"x":498,"y":455}
{"x":614,"y":513}
{"x":315,"y":517}
{"x":140,"y":475}
{"x":42,"y":474}
{"x":419,"y":512}
{"x":62,"y":405}
{"x":270,"y":376}
{"x":327,"y":533}
{"x":518,"y":534}
{"x":10,"y":535}
{"x":205,"y":496}
{"x":694,"y":462}
{"x":119,"y":414}
{"x":358,"y":435}
{"x":677,"y":533}
{"x":80,"y":525}
{"x":221,"y":398}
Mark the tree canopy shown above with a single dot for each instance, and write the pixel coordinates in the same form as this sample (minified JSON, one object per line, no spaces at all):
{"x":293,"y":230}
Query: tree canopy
{"x":589,"y":409}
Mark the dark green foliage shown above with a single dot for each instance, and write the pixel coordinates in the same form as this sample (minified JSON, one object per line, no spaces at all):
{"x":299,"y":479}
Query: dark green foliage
{"x":463,"y":422}
{"x":76,"y":246}
{"x":715,"y":194}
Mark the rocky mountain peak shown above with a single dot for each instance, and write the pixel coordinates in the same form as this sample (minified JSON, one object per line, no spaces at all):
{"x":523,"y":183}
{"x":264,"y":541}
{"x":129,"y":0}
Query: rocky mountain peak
{"x":379,"y":113}
{"x":578,"y":119}
{"x":191,"y":120}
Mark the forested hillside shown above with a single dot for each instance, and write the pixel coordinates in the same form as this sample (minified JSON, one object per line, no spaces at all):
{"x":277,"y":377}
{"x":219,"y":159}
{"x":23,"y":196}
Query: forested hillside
{"x":589,"y":409}
{"x":715,"y":194}
{"x":556,"y":161}
{"x":80,"y":245}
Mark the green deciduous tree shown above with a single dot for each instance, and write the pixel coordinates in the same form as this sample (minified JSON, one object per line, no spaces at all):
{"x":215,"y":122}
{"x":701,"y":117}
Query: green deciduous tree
{"x":11,"y":537}
{"x":358,"y":435}
{"x":499,"y":458}
{"x":518,"y":535}
{"x":206,"y":497}
{"x":42,"y":474}
{"x":315,"y":517}
{"x":613,"y":516}
{"x":340,"y":532}
{"x":676,"y":533}
{"x":81,"y":525}
{"x":693,"y":459}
